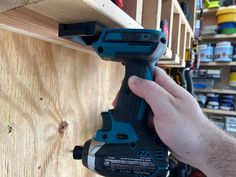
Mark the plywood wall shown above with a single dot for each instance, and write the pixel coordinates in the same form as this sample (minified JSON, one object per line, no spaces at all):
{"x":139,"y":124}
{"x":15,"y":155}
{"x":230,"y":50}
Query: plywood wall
{"x":43,"y":86}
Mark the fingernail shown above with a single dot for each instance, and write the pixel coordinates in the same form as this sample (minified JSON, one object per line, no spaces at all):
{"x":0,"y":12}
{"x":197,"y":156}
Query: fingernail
{"x":134,"y":80}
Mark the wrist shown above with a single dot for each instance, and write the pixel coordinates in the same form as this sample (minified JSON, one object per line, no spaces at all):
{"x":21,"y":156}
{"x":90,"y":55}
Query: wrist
{"x":207,"y":139}
{"x":211,"y":139}
{"x":219,"y":152}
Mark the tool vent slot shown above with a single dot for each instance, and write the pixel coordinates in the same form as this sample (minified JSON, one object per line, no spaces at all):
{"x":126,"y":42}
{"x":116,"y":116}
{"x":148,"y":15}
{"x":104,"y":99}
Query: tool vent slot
{"x":122,"y":136}
{"x":160,"y":154}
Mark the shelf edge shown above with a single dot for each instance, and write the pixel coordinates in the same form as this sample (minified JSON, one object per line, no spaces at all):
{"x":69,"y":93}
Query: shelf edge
{"x":222,"y":91}
{"x":218,"y":64}
{"x":205,"y":110}
{"x":104,"y":7}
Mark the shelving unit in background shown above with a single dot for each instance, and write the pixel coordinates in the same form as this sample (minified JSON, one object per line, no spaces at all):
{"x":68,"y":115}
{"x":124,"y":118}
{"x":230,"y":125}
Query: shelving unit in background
{"x":219,"y":64}
{"x":221,"y":85}
{"x":180,"y":31}
{"x":209,"y":18}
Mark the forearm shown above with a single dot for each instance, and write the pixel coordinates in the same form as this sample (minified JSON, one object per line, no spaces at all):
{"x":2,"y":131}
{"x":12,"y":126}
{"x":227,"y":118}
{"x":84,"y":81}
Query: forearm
{"x":220,"y":154}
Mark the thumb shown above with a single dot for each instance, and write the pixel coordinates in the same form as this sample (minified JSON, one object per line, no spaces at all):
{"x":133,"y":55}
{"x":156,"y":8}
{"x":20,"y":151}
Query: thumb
{"x":149,"y":90}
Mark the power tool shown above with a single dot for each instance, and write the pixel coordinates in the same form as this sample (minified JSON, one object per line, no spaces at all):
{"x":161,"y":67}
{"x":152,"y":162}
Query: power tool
{"x":189,"y":59}
{"x":124,"y":146}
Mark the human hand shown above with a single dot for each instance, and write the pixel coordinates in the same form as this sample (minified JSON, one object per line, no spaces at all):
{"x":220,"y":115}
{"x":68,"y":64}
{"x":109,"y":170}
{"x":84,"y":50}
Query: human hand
{"x":177,"y":117}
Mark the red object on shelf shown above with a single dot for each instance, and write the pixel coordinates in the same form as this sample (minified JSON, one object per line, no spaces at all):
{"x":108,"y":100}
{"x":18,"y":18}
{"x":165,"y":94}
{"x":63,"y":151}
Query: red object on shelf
{"x":165,"y":28}
{"x":119,"y":3}
{"x":197,"y":173}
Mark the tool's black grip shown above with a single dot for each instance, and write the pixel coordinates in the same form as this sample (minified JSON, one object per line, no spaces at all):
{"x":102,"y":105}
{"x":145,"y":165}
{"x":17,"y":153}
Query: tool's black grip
{"x":189,"y":81}
{"x":130,"y":107}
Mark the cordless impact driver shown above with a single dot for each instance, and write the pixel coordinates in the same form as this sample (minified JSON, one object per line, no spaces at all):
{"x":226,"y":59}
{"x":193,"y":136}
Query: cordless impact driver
{"x":124,"y":146}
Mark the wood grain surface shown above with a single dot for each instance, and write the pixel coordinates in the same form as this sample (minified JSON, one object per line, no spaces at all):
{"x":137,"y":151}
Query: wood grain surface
{"x":50,"y":100}
{"x":10,"y":4}
{"x":74,"y":11}
{"x":27,"y":22}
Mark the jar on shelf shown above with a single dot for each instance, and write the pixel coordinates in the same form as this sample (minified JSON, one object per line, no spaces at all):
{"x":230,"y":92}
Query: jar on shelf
{"x":223,"y":52}
{"x":205,"y":51}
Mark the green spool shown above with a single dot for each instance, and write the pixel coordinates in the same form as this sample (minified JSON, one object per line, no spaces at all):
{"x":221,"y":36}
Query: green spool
{"x":228,"y":31}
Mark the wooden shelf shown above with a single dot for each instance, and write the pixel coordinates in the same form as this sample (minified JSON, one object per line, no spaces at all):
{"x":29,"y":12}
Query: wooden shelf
{"x":208,"y":11}
{"x":175,"y":60}
{"x":7,"y":5}
{"x":222,"y":91}
{"x":180,"y":32}
{"x":40,"y":20}
{"x":219,"y":64}
{"x":66,"y":11}
{"x":212,"y":111}
{"x":184,"y":20}
{"x":218,"y":37}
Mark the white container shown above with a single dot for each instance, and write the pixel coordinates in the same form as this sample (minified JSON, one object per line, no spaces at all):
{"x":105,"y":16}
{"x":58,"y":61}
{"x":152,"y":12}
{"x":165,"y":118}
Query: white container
{"x":230,"y":123}
{"x":205,"y":52}
{"x":223,"y":52}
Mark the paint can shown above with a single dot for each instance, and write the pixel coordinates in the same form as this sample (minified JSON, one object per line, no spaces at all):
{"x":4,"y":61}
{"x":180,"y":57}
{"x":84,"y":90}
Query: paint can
{"x":223,"y":52}
{"x":205,"y":51}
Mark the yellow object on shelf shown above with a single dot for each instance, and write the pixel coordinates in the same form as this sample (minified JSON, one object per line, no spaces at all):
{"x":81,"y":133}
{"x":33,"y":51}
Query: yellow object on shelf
{"x":226,"y":14}
{"x":232,"y":79}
